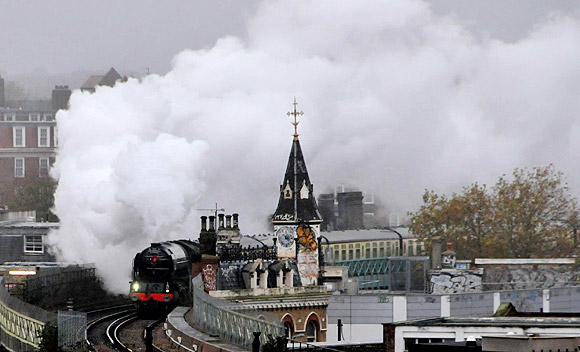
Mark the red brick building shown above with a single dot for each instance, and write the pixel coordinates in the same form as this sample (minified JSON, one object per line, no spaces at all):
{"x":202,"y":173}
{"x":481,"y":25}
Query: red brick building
{"x":28,"y":141}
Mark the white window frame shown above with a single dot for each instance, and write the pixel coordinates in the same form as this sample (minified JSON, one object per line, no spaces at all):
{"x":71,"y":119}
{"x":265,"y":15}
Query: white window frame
{"x":10,"y":117}
{"x":55,"y":137}
{"x":47,"y":129}
{"x":46,"y":117}
{"x":34,"y":117}
{"x":34,"y":244}
{"x":22,"y":130}
{"x":16,"y":168}
{"x":40,"y":167}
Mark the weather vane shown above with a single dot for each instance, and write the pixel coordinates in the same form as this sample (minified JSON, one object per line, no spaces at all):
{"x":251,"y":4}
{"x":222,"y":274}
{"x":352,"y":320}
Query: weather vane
{"x":295,"y":114}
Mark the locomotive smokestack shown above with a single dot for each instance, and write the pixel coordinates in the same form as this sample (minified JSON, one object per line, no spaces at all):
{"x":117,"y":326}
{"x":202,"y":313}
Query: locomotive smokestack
{"x":204,"y":223}
{"x":221,"y":221}
{"x":228,"y":221}
{"x":235,"y":221}
{"x":212,"y":223}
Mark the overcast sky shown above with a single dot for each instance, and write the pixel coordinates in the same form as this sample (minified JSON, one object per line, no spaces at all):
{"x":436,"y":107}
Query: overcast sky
{"x":60,"y":36}
{"x":398,"y":96}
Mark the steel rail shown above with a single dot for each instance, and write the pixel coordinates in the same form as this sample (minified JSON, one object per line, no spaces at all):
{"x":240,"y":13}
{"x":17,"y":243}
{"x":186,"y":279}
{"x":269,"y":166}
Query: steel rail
{"x":113,"y":330}
{"x":101,"y":319}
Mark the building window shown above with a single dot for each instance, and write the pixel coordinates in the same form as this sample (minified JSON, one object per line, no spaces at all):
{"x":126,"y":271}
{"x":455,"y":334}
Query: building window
{"x":9,"y":117}
{"x":19,"y":136}
{"x":43,"y":167}
{"x":18,"y":167}
{"x":312,"y":331}
{"x":336,"y":255}
{"x":46,"y":117}
{"x":368,"y":253}
{"x":350,"y":254}
{"x":34,"y":117}
{"x":44,"y":136}
{"x":343,"y":255}
{"x":357,"y":253}
{"x":374,"y":252}
{"x":33,"y":244}
{"x":382,"y":252}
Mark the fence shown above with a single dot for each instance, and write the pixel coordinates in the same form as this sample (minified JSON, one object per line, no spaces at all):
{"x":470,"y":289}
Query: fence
{"x":408,"y":274}
{"x":218,"y":317}
{"x":21,"y":323}
{"x":72,"y":327}
{"x":53,"y":287}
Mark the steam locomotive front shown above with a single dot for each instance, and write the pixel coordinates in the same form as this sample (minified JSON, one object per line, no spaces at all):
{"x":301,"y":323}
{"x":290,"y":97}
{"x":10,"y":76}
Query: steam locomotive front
{"x":153,"y":271}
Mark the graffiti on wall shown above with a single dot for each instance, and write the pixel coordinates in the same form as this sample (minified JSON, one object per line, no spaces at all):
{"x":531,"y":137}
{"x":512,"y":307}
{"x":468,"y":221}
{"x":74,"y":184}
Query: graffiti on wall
{"x":455,"y":281}
{"x":308,"y":266}
{"x":505,"y":277}
{"x":209,"y":272}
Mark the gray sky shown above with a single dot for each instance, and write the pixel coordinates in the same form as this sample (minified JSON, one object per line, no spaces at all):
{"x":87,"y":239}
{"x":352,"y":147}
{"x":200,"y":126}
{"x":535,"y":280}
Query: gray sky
{"x":398,"y":96}
{"x":62,"y":36}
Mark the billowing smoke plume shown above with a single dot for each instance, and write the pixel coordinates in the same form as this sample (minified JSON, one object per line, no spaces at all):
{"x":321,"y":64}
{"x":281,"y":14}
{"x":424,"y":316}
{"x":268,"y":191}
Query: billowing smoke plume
{"x":396,"y":100}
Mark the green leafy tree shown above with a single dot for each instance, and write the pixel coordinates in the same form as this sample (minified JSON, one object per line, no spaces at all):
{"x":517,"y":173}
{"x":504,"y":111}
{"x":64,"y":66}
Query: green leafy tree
{"x":37,"y":195}
{"x":531,"y":215}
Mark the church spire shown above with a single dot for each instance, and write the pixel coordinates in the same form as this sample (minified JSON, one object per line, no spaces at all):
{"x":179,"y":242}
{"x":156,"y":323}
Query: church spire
{"x":295,"y":114}
{"x":297,"y":203}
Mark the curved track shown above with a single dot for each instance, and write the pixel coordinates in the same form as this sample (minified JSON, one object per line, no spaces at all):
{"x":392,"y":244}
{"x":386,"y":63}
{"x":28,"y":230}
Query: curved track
{"x":114,"y":329}
{"x":97,"y":330}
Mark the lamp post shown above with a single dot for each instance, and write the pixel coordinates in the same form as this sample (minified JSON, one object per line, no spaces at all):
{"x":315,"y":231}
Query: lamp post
{"x":400,"y":239}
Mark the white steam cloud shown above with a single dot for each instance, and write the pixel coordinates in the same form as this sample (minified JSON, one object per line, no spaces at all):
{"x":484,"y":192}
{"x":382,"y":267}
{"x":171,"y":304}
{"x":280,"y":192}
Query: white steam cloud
{"x":396,"y":100}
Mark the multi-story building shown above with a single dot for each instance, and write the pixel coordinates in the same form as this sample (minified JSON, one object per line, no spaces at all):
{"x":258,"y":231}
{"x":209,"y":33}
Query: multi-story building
{"x":28,"y":141}
{"x":29,"y":138}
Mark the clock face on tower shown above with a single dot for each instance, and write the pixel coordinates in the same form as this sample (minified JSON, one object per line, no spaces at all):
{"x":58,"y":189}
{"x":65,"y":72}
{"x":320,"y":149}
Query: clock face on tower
{"x":285,"y":236}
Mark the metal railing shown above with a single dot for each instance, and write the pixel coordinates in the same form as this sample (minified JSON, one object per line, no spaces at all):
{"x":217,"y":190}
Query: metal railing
{"x":216,"y":317}
{"x":21,"y":323}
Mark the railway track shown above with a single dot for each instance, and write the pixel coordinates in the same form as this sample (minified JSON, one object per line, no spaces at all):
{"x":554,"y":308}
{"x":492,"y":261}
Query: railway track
{"x":97,"y":330}
{"x":122,"y":331}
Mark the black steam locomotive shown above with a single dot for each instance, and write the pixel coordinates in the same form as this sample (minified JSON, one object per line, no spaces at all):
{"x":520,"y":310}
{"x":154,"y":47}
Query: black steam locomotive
{"x":162,"y":275}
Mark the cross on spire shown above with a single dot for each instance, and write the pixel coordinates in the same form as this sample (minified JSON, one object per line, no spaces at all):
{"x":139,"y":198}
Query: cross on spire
{"x":295,"y":114}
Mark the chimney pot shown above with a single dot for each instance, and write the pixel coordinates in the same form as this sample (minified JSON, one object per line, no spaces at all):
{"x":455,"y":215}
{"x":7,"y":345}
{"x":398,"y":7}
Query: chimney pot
{"x":204,"y":223}
{"x":221,"y":221}
{"x":211,"y":223}
{"x":235,"y":220}
{"x":228,"y":221}
{"x":449,"y":247}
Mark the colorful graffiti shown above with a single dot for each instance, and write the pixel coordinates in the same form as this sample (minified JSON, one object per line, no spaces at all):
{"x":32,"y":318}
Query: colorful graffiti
{"x":209,"y":272}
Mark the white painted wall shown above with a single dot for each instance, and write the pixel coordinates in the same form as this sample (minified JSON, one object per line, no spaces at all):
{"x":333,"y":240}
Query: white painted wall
{"x":355,"y":332}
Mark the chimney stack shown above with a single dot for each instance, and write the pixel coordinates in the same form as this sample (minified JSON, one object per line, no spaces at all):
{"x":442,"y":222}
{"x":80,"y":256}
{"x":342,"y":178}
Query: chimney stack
{"x":235,"y":221}
{"x":60,"y":98}
{"x":211,"y":223}
{"x":436,"y":249}
{"x":228,"y":221}
{"x":204,"y":223}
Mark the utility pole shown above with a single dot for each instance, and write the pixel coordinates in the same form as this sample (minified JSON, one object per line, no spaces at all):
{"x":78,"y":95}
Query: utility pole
{"x":215,"y":210}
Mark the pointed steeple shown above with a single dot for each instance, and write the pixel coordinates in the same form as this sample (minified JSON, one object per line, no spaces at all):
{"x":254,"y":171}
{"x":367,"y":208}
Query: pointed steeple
{"x":297,"y":203}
